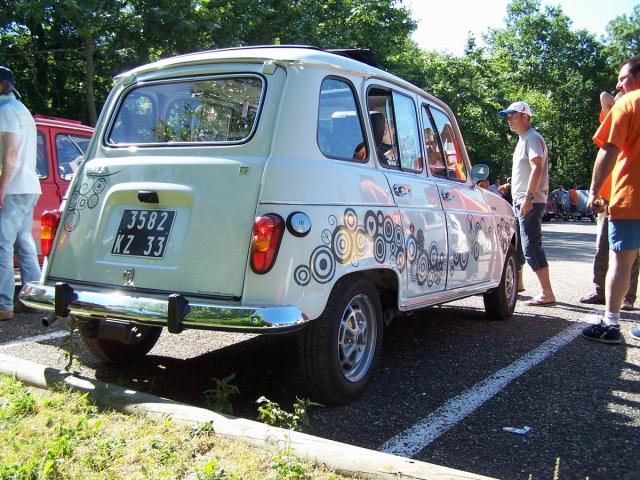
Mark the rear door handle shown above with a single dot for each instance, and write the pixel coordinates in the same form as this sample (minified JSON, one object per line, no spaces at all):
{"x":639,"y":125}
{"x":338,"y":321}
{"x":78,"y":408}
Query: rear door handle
{"x":401,"y":190}
{"x":447,"y":195}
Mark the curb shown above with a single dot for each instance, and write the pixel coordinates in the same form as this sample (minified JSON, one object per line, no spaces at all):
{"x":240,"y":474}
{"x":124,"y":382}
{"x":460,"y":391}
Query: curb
{"x":341,"y":457}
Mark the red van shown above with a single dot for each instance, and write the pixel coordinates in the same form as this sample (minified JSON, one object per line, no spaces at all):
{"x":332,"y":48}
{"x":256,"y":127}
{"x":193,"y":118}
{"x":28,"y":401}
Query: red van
{"x":62,"y":144}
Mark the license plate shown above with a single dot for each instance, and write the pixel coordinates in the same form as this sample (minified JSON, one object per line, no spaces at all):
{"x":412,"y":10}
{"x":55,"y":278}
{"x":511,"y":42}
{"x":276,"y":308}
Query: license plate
{"x":143,"y":233}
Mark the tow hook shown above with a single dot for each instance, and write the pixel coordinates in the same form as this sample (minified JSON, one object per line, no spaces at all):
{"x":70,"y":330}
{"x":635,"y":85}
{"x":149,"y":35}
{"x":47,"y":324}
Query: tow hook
{"x":65,"y":296}
{"x":178,"y":308}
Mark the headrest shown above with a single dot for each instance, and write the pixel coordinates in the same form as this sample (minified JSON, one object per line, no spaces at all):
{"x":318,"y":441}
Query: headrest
{"x":377,"y":126}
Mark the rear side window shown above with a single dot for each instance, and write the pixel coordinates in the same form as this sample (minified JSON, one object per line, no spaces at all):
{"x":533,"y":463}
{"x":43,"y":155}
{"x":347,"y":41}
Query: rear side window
{"x":214,"y":110}
{"x":70,"y":150}
{"x":340,"y":132}
{"x":408,"y":133}
{"x":42,"y":159}
{"x":395,"y":130}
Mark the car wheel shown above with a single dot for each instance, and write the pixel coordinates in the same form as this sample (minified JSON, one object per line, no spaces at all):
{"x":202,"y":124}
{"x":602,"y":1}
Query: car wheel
{"x":340,"y":349}
{"x":500,"y":302}
{"x":115,"y":342}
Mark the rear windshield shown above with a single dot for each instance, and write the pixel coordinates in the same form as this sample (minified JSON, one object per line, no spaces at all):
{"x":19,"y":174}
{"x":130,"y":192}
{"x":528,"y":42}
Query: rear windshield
{"x":212,"y":110}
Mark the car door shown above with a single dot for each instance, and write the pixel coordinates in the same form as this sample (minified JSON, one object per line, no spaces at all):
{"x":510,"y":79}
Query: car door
{"x":470,"y":230}
{"x":421,"y":243}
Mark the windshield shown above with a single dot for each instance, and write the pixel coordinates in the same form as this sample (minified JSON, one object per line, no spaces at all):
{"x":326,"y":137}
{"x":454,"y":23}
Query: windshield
{"x":213,"y":110}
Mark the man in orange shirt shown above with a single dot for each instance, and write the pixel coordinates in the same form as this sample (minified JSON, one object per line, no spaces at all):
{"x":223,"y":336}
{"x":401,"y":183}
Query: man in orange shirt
{"x":573,"y":201}
{"x":601,"y":259}
{"x":619,"y":140}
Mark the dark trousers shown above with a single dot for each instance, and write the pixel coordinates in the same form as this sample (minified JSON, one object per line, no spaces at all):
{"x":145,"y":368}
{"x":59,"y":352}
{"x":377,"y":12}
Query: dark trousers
{"x":601,"y":262}
{"x":530,"y":244}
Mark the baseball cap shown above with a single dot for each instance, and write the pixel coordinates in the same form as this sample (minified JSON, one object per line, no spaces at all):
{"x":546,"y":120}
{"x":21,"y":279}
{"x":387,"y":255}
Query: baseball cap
{"x":7,"y":75}
{"x":517,"y":107}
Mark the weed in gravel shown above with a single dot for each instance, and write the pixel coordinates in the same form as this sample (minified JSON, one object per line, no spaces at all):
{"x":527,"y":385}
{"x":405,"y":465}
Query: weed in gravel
{"x":270,"y":413}
{"x":218,"y":397}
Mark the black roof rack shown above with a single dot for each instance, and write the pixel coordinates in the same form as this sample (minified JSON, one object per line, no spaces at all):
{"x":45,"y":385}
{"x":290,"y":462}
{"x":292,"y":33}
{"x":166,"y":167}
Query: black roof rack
{"x":363,"y":55}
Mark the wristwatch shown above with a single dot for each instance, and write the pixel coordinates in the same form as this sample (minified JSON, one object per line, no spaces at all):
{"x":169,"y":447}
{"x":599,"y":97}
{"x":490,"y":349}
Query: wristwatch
{"x":530,"y":196}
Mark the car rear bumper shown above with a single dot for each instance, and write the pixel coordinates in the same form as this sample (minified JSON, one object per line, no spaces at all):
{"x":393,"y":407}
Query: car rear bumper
{"x":174,"y":312}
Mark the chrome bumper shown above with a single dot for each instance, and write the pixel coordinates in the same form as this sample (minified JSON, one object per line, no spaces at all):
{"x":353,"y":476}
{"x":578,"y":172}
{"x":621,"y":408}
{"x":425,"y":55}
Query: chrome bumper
{"x":195,"y":313}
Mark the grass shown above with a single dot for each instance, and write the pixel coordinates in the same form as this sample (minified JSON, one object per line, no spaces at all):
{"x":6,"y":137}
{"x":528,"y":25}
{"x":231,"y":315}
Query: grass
{"x":61,"y":435}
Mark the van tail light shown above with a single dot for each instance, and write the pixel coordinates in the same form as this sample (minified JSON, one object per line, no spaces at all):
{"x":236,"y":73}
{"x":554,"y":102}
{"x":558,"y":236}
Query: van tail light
{"x":265,"y":241}
{"x":48,"y":225}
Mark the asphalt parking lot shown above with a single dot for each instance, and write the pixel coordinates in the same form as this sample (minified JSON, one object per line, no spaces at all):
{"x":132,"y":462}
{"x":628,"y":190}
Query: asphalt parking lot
{"x":448,"y":382}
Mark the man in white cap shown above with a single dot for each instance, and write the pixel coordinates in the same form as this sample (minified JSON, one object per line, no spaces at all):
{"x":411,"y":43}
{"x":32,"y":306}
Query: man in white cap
{"x":530,"y":188}
{"x":19,"y":191}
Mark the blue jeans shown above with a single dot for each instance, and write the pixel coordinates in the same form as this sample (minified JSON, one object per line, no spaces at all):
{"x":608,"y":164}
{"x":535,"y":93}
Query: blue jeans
{"x":530,"y":244}
{"x":16,"y":220}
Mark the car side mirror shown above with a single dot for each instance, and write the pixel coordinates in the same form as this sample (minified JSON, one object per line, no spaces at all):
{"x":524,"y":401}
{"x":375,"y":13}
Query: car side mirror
{"x":479,"y":172}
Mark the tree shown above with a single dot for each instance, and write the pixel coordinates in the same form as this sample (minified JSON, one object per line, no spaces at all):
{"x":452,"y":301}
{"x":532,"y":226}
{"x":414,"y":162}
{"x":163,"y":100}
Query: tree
{"x":623,"y":39}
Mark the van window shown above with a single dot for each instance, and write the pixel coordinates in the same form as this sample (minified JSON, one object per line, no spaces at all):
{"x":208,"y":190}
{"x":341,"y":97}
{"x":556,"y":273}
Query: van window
{"x":380,"y":105}
{"x":435,"y":159}
{"x":42,"y":159}
{"x":408,"y":134}
{"x":455,"y":162}
{"x":340,"y":132}
{"x":215,"y":110}
{"x":395,"y":130}
{"x":70,"y":150}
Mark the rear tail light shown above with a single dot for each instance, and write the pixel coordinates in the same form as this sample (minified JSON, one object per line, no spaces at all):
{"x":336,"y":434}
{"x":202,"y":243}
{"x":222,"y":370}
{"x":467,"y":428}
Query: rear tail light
{"x":48,"y":226}
{"x":265,"y":241}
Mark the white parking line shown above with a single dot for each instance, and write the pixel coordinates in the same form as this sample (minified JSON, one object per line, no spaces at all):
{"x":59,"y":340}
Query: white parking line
{"x":414,"y":439}
{"x":35,"y":339}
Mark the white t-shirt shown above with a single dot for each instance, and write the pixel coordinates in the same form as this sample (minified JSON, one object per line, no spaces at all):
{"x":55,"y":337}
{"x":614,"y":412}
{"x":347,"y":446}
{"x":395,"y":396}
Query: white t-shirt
{"x":530,"y":145}
{"x":15,"y":118}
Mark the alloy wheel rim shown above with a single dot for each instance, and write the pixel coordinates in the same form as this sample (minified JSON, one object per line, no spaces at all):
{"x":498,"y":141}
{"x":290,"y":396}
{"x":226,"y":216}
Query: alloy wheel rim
{"x":357,"y":335}
{"x":510,"y":282}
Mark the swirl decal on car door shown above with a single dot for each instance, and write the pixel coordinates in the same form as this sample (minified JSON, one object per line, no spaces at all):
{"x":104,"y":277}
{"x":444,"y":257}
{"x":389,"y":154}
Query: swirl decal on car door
{"x":378,"y":236}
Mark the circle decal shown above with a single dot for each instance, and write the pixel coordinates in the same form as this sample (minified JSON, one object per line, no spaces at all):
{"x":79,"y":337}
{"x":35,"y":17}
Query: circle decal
{"x":342,"y":244}
{"x":323,"y":265}
{"x":302,"y":275}
{"x":379,"y":250}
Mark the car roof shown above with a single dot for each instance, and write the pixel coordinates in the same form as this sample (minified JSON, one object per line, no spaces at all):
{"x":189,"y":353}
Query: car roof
{"x":287,"y":54}
{"x":62,"y":122}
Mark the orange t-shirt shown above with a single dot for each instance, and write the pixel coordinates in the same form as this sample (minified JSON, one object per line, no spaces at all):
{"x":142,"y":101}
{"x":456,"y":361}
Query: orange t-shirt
{"x":605,"y":189}
{"x":573,"y":197}
{"x":621,"y":127}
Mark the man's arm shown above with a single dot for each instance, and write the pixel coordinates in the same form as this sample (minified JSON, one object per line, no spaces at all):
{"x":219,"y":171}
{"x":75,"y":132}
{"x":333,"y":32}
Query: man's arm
{"x":532,"y":186}
{"x":605,"y":160}
{"x":9,"y":159}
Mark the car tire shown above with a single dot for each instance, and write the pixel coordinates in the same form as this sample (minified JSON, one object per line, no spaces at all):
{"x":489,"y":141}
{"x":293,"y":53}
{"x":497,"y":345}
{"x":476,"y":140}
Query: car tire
{"x":500,"y":302}
{"x":140,"y":339}
{"x":339,"y":350}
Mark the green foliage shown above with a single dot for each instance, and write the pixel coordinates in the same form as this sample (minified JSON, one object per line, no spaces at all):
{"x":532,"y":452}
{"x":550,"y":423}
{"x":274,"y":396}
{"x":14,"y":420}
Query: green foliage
{"x":17,"y":471}
{"x":270,"y":413}
{"x":21,"y":403}
{"x":287,"y":467}
{"x":214,"y":471}
{"x":217,"y":398}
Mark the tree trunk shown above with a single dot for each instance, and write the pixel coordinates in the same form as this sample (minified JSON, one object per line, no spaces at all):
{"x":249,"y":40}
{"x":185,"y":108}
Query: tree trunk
{"x":90,"y":100}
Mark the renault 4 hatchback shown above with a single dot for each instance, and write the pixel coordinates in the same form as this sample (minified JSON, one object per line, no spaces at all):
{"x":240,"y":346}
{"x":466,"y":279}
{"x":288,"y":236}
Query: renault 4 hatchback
{"x":273,"y":189}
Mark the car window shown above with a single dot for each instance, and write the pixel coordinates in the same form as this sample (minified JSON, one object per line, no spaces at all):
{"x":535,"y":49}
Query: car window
{"x":340,"y":133}
{"x":70,"y":150}
{"x":451,"y":148}
{"x":407,"y":131}
{"x":380,"y":105}
{"x":42,"y":159}
{"x":435,"y":159}
{"x":215,"y":110}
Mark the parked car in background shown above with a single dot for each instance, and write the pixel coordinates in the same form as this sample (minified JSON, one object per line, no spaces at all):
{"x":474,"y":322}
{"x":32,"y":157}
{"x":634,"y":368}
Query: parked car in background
{"x":62,"y":144}
{"x":268,"y":190}
{"x":561,"y":211}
